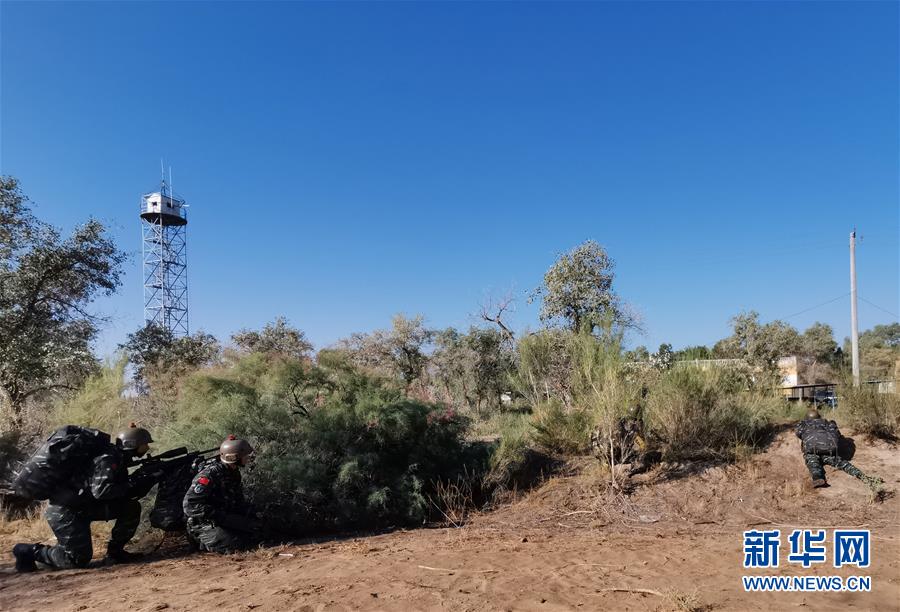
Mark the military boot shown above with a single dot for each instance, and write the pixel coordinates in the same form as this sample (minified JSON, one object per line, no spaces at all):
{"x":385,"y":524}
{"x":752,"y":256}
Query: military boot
{"x":874,"y":482}
{"x":818,"y":483}
{"x":117,"y":554}
{"x":25,"y":557}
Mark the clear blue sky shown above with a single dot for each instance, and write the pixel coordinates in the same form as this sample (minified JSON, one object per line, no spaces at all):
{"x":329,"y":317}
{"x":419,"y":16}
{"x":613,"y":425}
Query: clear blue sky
{"x":347,"y":161}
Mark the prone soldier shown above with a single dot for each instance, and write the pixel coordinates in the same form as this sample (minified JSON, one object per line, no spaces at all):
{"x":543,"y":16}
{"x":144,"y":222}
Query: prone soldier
{"x":99,"y":490}
{"x":819,"y":442}
{"x":219,"y":519}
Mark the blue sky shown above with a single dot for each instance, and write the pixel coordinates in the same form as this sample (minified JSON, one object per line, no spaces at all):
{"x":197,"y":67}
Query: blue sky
{"x":348,"y":161}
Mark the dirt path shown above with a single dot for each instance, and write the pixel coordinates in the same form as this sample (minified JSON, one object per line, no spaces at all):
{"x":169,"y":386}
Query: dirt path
{"x":557,"y":549}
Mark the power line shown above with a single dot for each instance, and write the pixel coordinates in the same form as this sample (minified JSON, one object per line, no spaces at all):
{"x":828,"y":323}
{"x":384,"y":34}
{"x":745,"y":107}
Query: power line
{"x":893,"y":314}
{"x":840,"y":297}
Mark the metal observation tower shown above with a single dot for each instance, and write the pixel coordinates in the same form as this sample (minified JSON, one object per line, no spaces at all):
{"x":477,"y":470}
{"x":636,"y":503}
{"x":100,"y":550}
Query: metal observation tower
{"x":164,"y":232}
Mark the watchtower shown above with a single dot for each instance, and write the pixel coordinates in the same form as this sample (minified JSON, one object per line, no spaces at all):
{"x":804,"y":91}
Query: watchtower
{"x":164,"y":232}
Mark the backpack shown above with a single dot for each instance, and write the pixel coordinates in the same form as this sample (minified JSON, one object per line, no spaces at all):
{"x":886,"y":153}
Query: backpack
{"x":820,"y":436}
{"x":168,"y":510}
{"x":65,"y":454}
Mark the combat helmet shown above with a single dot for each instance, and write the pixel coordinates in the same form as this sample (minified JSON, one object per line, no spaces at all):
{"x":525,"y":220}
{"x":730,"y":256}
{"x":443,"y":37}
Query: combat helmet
{"x":813,"y":413}
{"x":235,"y":451}
{"x":133,"y":438}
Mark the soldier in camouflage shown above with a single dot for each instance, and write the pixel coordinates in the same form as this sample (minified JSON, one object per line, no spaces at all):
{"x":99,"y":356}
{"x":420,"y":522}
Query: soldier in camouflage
{"x":819,"y":442}
{"x":219,"y":519}
{"x":629,"y":443}
{"x":101,"y":492}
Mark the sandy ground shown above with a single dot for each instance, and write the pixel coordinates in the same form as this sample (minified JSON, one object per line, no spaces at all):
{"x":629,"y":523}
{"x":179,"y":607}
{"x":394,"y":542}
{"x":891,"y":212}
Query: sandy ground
{"x":565,"y":546}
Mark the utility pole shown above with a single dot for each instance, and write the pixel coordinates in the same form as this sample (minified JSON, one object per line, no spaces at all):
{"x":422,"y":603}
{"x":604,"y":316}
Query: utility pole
{"x":854,"y":324}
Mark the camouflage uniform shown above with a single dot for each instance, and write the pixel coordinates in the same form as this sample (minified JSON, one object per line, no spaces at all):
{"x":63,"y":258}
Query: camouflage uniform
{"x":819,"y":442}
{"x":629,"y":445}
{"x":104,"y":494}
{"x":218,"y":517}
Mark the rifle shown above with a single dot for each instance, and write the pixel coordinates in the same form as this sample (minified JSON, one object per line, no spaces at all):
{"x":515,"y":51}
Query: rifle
{"x":155,"y":468}
{"x":181,"y":453}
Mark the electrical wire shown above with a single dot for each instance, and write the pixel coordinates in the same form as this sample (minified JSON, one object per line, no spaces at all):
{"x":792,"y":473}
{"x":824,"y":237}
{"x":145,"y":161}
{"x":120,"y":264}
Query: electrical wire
{"x":893,"y":314}
{"x":800,"y":312}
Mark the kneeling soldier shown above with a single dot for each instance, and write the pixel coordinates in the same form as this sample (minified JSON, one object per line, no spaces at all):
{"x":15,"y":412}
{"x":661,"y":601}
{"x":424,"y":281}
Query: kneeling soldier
{"x":819,"y":442}
{"x":99,"y":491}
{"x":218,"y":517}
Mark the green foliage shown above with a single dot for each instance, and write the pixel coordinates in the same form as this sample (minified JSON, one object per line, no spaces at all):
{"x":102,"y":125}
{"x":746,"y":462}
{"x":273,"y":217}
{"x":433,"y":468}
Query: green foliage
{"x":869,"y":412}
{"x":879,"y":352}
{"x":559,"y":431}
{"x":638,"y":354}
{"x":276,"y":338}
{"x":511,"y":454}
{"x":471,"y":370}
{"x":361,"y":456}
{"x":577,"y":290}
{"x":760,"y":345}
{"x":399,"y":353}
{"x":696,"y":413}
{"x":545,"y":367}
{"x":158,"y":356}
{"x":100,"y":403}
{"x":690,"y":353}
{"x":881,"y":336}
{"x":46,"y":285}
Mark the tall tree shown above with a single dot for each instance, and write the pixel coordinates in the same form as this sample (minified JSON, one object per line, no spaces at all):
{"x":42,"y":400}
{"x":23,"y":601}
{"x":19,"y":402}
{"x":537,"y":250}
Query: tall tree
{"x":276,"y":338}
{"x":47,"y":284}
{"x":399,"y":352}
{"x":472,"y":369}
{"x":879,"y":351}
{"x":158,"y":357}
{"x":818,"y":352}
{"x":578,"y":291}
{"x":761,"y":345}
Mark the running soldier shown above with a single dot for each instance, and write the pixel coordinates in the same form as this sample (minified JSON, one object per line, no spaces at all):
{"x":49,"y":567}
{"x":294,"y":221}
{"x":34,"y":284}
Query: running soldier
{"x":100,"y":491}
{"x":819,"y":442}
{"x":219,"y":519}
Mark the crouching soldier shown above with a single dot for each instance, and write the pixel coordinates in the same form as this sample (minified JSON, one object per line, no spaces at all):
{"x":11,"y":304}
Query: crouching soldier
{"x":98,"y":488}
{"x":629,"y":443}
{"x":819,"y":442}
{"x":218,"y":517}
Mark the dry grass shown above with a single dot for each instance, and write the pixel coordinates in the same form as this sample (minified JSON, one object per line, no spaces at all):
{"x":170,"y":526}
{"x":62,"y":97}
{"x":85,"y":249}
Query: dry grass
{"x":33,"y":528}
{"x":454,"y":499}
{"x":870,"y":413}
{"x":684,"y":602}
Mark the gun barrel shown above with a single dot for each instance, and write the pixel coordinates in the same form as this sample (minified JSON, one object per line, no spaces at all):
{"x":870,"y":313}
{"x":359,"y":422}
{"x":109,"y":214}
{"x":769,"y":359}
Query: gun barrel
{"x":175,"y":452}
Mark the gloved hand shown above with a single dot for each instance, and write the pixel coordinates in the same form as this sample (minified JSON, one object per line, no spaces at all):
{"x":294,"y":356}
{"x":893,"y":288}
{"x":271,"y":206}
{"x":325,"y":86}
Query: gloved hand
{"x":143,"y":479}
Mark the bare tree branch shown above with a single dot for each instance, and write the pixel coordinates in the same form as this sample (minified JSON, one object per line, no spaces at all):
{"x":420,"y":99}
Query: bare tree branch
{"x":493,"y":310}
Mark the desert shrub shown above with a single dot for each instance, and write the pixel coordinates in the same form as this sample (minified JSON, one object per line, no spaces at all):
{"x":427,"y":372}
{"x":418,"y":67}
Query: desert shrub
{"x":515,"y":464}
{"x":868,"y":412}
{"x":693,"y":413}
{"x":544,"y":367}
{"x":497,"y":425}
{"x":559,"y":431}
{"x":514,"y":437}
{"x":335,"y":448}
{"x":100,"y":403}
